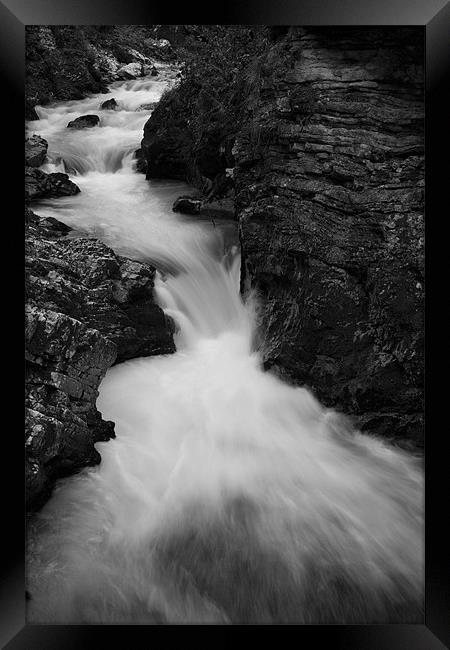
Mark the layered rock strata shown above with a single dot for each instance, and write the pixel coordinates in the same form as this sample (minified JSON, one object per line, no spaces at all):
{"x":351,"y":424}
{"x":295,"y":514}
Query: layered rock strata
{"x":327,"y":166}
{"x":330,"y":204}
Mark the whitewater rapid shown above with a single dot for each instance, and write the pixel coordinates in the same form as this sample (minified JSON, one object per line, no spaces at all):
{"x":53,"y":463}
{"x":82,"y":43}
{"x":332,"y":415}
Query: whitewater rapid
{"x":227,"y":496}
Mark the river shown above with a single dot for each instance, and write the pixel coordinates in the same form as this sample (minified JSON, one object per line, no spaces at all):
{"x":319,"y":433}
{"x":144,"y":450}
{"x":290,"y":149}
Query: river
{"x":228,"y":496}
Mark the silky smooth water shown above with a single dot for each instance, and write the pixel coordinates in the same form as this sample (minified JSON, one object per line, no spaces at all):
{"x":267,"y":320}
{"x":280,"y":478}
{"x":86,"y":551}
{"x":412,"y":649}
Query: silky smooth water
{"x":228,"y":496}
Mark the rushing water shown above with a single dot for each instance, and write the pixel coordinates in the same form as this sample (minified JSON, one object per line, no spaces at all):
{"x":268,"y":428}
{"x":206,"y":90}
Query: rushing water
{"x":228,"y":496}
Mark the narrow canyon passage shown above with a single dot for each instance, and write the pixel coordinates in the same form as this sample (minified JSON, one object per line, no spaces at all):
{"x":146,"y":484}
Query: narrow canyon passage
{"x":227,"y":496}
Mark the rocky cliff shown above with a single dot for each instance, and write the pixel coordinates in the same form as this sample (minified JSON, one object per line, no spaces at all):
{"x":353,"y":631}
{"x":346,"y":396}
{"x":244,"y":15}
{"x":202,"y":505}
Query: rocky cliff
{"x":86,"y":308}
{"x":327,"y":168}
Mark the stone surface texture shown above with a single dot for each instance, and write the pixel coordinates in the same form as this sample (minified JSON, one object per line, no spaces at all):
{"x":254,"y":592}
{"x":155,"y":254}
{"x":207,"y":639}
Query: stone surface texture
{"x":86,"y":308}
{"x":327,"y":171}
{"x":330,"y":204}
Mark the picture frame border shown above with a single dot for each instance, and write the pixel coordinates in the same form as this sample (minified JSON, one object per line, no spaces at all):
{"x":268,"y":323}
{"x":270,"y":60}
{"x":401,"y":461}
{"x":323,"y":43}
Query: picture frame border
{"x":434,"y":17}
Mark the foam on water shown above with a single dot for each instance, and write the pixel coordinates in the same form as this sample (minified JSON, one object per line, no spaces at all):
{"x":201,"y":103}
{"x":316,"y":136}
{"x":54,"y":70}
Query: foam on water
{"x":228,"y":495}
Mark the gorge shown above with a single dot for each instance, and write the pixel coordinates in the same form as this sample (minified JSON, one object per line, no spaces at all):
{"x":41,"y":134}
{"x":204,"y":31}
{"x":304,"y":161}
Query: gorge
{"x":229,"y":493}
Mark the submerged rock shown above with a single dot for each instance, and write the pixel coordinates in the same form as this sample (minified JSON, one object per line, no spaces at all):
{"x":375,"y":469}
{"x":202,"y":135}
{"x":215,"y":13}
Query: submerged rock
{"x":35,"y":151}
{"x":39,"y":185}
{"x":84,"y":122}
{"x":187,"y":205}
{"x":86,"y":308}
{"x":109,"y":104}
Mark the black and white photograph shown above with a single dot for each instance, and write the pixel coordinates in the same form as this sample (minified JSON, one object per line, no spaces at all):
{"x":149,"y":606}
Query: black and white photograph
{"x":225,"y":286}
{"x":225,"y":326}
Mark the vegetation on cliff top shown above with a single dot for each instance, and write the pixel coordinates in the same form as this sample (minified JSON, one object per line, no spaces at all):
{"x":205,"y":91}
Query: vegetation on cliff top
{"x":221,"y":76}
{"x":65,"y":62}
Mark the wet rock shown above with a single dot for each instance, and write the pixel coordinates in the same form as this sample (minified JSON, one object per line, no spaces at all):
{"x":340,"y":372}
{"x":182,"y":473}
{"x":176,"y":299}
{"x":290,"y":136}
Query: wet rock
{"x":69,"y":62}
{"x":35,"y":151}
{"x":219,"y":208}
{"x":86,"y":308}
{"x":38,"y":184}
{"x":130,"y":71}
{"x":172,"y":150}
{"x":84,"y":122}
{"x":187,"y":205}
{"x":51,"y":227}
{"x":166,"y":146}
{"x":327,"y":168}
{"x":330,"y":209}
{"x":141,"y":163}
{"x":35,"y":183}
{"x":59,"y":184}
{"x":147,"y":107}
{"x":109,"y":104}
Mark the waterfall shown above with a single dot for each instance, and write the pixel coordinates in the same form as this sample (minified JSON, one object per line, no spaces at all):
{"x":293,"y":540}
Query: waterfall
{"x":228,"y":496}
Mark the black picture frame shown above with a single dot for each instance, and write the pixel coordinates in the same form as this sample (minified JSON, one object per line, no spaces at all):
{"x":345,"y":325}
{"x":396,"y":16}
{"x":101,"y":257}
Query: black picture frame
{"x":434,"y":17}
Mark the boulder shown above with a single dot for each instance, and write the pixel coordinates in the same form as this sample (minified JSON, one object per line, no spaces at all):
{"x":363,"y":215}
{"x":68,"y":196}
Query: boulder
{"x":59,"y":184}
{"x":39,"y":185}
{"x":109,"y":105}
{"x":187,"y":205}
{"x":130,"y":71}
{"x":84,"y":122}
{"x":35,"y":151}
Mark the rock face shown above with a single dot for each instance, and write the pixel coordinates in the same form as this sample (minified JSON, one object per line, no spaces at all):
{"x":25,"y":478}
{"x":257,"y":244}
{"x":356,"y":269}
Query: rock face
{"x":141,"y":163}
{"x":35,"y":151}
{"x":187,"y":205}
{"x":330,"y":200}
{"x":218,"y":208}
{"x":38,"y":184}
{"x":327,"y":165}
{"x":86,"y":309}
{"x":84,"y":122}
{"x":171,"y":150}
{"x":109,"y":105}
{"x":167,"y":145}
